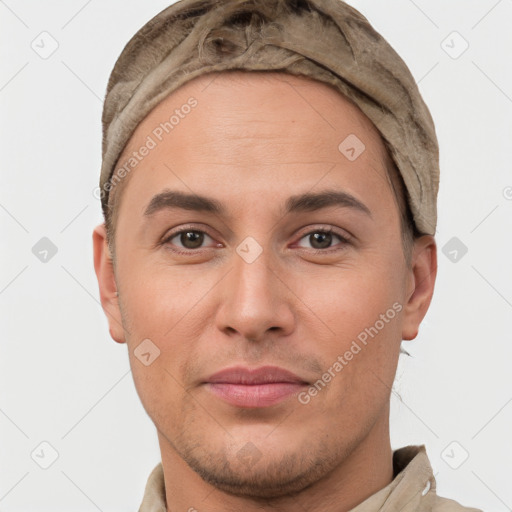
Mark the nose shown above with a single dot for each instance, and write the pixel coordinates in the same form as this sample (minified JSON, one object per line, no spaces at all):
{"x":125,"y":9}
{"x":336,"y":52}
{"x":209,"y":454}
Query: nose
{"x":257,"y":302}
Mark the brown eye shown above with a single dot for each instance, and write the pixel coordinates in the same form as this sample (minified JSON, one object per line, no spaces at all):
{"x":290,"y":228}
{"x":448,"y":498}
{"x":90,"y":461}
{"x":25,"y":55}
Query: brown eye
{"x":320,"y":240}
{"x":188,"y":239}
{"x":323,"y":239}
{"x":191,"y":239}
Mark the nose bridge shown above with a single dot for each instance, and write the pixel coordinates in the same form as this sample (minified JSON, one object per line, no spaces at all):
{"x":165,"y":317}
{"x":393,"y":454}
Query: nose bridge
{"x":255,"y":299}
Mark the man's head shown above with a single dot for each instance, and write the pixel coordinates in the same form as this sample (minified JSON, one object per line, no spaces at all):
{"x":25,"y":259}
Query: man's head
{"x":262,"y":227}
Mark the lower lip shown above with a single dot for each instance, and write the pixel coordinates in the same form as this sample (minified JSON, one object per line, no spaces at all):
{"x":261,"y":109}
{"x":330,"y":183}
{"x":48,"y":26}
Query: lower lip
{"x":254,"y":395}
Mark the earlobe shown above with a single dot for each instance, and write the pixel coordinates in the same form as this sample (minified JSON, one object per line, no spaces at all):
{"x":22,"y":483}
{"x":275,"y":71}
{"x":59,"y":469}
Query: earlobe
{"x":104,"y":268}
{"x":421,"y":285}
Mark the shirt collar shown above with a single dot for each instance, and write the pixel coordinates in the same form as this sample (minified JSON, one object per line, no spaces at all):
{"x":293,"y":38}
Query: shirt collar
{"x":411,"y":488}
{"x":413,"y":481}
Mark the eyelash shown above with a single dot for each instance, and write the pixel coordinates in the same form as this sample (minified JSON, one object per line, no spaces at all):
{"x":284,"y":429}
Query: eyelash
{"x":344,"y":239}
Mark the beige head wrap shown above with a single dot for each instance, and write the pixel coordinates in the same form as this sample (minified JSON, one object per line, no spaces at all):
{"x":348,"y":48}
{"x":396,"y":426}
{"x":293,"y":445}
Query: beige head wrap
{"x":326,"y":40}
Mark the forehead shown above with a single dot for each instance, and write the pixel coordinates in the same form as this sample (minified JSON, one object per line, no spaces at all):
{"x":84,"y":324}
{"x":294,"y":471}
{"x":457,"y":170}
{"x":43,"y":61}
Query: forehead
{"x":237,"y":96}
{"x":265,"y":128}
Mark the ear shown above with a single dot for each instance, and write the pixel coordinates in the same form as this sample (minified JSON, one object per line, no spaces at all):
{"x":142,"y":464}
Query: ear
{"x":420,"y":285}
{"x":104,"y":267}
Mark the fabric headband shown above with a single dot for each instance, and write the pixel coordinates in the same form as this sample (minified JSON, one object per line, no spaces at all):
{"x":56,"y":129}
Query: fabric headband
{"x":326,"y":40}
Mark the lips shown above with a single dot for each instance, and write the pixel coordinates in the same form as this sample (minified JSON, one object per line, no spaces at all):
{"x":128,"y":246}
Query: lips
{"x":262,"y":375}
{"x":261,"y":387}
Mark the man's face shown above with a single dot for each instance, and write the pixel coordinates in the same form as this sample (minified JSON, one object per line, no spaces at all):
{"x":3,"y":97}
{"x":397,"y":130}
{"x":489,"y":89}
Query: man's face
{"x":261,"y":282}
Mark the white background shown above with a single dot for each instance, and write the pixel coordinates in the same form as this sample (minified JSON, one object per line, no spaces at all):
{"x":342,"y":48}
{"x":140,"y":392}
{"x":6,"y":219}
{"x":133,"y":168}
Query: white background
{"x":64,"y":381}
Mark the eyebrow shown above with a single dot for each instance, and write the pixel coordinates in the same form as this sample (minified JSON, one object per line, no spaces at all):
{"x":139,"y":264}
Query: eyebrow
{"x":169,"y":199}
{"x":307,"y":202}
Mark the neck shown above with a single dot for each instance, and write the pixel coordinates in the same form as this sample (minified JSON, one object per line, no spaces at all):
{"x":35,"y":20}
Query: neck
{"x":364,"y":471}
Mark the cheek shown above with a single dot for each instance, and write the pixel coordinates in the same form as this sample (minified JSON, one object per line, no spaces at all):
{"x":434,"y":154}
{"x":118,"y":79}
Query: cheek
{"x":358,"y":312}
{"x":345,"y":301}
{"x":165,"y":305}
{"x":361,"y":316}
{"x":157,"y":297}
{"x":157,"y":310}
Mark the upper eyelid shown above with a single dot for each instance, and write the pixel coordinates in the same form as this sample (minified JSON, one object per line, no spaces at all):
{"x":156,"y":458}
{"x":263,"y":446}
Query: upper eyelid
{"x":342,"y":233}
{"x":172,"y":233}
